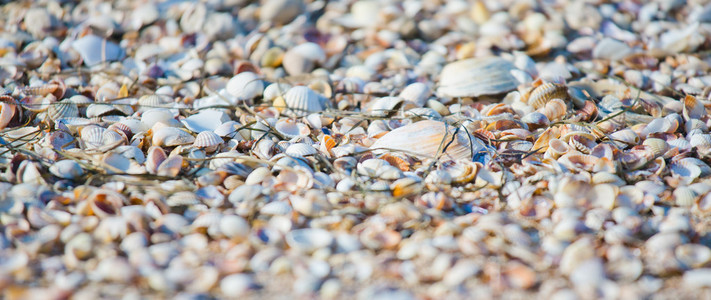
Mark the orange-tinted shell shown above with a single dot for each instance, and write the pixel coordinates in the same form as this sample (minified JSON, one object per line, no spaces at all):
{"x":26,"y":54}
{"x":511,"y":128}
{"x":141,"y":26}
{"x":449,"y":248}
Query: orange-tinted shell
{"x":547,"y":92}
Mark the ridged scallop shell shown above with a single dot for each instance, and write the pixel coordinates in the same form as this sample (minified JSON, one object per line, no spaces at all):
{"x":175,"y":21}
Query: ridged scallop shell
{"x":63,"y":109}
{"x":276,"y":208}
{"x":301,"y":101}
{"x":417,"y":93}
{"x":546,"y":92}
{"x":300,"y":150}
{"x":582,"y":143}
{"x":245,"y":86}
{"x":684,"y":196}
{"x":66,"y":169}
{"x":290,"y":128}
{"x":93,"y":136}
{"x":700,"y":141}
{"x":554,"y":109}
{"x":171,"y":136}
{"x":208,"y":140}
{"x":657,"y":146}
{"x":182,"y":199}
{"x":426,"y":138}
{"x":154,"y":101}
{"x":475,"y":77}
{"x":303,"y":58}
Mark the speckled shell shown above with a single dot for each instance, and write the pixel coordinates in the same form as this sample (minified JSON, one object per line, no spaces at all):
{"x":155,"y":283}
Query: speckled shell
{"x":423,"y":139}
{"x":476,"y":77}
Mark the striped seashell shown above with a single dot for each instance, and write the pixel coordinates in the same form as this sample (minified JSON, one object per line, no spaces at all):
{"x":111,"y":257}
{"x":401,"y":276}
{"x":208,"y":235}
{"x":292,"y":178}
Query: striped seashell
{"x":684,"y":196}
{"x":171,"y":136}
{"x":208,"y":140}
{"x":63,"y":109}
{"x":182,"y":199}
{"x":546,"y":92}
{"x":301,"y":100}
{"x":74,"y":124}
{"x":322,"y":87}
{"x":476,"y":77}
{"x":657,"y":146}
{"x":122,"y":128}
{"x":289,"y":128}
{"x":693,"y":109}
{"x":700,"y":141}
{"x":106,"y":92}
{"x":426,"y":139}
{"x":695,"y":124}
{"x":7,"y":112}
{"x":680,"y":143}
{"x":555,"y":109}
{"x":245,"y":86}
{"x":300,"y":150}
{"x":326,"y":143}
{"x":154,"y":101}
{"x":582,"y":143}
{"x":112,"y":139}
{"x":32,"y":103}
{"x":92,"y":136}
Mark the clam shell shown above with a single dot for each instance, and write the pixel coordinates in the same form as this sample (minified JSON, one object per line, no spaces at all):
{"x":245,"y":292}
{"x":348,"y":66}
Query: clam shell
{"x":475,"y":77}
{"x":245,"y":86}
{"x":290,"y":128}
{"x":417,"y":93}
{"x":208,"y":140}
{"x":156,"y":115}
{"x":229,"y":130}
{"x":303,"y":58}
{"x":424,"y":139}
{"x":7,"y":111}
{"x":171,"y":136}
{"x":66,"y":169}
{"x":63,"y":109}
{"x":684,"y":196}
{"x":206,"y":120}
{"x":171,"y":166}
{"x":301,"y":101}
{"x":546,"y":92}
{"x":626,"y":136}
{"x":300,"y":150}
{"x":657,"y":146}
{"x":384,"y":106}
{"x":309,"y":239}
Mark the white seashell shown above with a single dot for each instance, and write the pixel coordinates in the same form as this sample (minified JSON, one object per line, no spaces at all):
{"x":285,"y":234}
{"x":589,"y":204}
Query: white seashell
{"x":63,"y":109}
{"x":384,"y":106}
{"x":264,"y":149}
{"x":684,"y":196}
{"x":245,"y":86}
{"x":229,"y":130}
{"x":7,"y":111}
{"x":693,"y":255}
{"x":93,"y":136}
{"x":280,"y":12}
{"x":156,"y":115}
{"x":423,"y":113}
{"x":131,"y":152}
{"x":300,"y":150}
{"x":303,"y":58}
{"x":208,"y":140}
{"x":275,"y":90}
{"x":425,"y":138}
{"x":476,"y":77}
{"x":206,"y":120}
{"x":290,"y":128}
{"x":417,"y":92}
{"x":301,"y":101}
{"x":171,"y":166}
{"x":95,"y":50}
{"x":117,"y":163}
{"x":371,"y":167}
{"x":276,"y":208}
{"x":66,"y":169}
{"x":171,"y":136}
{"x":309,"y":239}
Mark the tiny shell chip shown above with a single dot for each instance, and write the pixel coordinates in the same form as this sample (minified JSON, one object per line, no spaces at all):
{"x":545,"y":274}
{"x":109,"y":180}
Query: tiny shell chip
{"x":477,"y":76}
{"x":94,"y":50}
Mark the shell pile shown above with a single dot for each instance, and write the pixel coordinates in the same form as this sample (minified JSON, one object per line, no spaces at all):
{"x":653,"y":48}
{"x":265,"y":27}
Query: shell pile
{"x":355,"y":149}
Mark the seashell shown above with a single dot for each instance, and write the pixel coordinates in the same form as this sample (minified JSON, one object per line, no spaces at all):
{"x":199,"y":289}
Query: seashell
{"x":303,"y":58}
{"x":301,"y":100}
{"x":582,"y":143}
{"x":423,"y":112}
{"x":693,"y":255}
{"x":272,"y":58}
{"x":171,"y":136}
{"x":371,"y":167}
{"x":275,"y":90}
{"x":208,"y":140}
{"x":542,"y":142}
{"x":577,"y":161}
{"x":171,"y":166}
{"x":66,"y":169}
{"x":657,"y":146}
{"x":95,"y":50}
{"x":425,"y":139}
{"x":280,"y":12}
{"x":607,"y":178}
{"x":264,"y":148}
{"x":156,"y":115}
{"x":308,"y":240}
{"x":300,"y":150}
{"x":556,"y":148}
{"x":477,"y":76}
{"x":7,"y":111}
{"x":658,"y":125}
{"x":417,"y":93}
{"x":684,"y":196}
{"x":693,"y":109}
{"x":554,"y":109}
{"x":700,"y":141}
{"x":384,"y":106}
{"x":276,"y":208}
{"x":535,"y":120}
{"x":116,"y":163}
{"x":546,"y":92}
{"x":245,"y":86}
{"x":62,"y":110}
{"x":290,"y":128}
{"x":461,"y":171}
{"x":93,"y":136}
{"x":154,"y":101}
{"x":182,"y":199}
{"x":626,"y":136}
